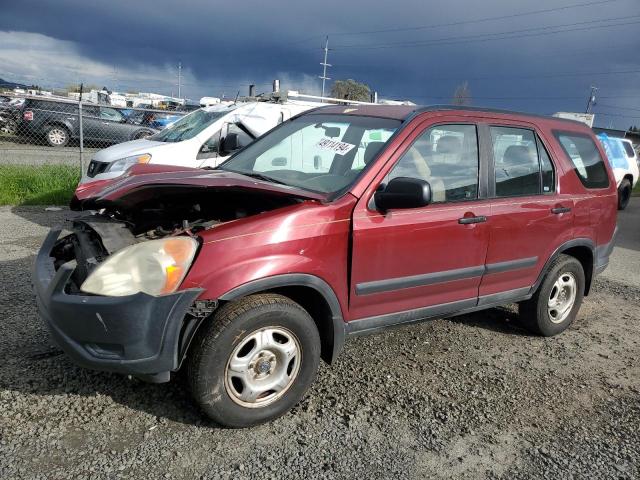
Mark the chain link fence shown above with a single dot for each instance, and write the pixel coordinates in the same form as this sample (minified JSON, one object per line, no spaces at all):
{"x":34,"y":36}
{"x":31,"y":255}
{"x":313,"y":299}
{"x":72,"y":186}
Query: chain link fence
{"x":42,"y":130}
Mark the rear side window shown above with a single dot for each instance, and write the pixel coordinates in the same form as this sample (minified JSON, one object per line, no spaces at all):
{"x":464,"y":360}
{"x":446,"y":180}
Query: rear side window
{"x":629,"y":149}
{"x":586,"y":159}
{"x":522,"y":165}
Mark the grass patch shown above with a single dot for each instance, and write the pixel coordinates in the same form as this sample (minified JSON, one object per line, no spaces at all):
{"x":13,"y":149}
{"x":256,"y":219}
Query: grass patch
{"x":636,"y":190}
{"x":37,"y":185}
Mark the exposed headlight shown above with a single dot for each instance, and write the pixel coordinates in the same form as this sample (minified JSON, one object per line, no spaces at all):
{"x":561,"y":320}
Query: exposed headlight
{"x":124,"y":163}
{"x":154,"y":267}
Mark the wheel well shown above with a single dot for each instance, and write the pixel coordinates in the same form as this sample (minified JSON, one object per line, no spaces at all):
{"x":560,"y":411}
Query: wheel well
{"x":316,"y":305}
{"x":629,"y":177}
{"x":57,"y":124}
{"x":585,"y":256}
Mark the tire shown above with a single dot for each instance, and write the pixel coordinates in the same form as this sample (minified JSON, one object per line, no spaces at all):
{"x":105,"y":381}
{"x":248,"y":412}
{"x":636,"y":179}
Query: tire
{"x":624,"y":194}
{"x":57,"y":136}
{"x":235,"y":332}
{"x":564,"y":280}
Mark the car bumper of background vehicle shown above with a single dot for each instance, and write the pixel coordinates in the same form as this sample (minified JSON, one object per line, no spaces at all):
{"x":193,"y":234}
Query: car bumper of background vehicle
{"x":602,"y":254}
{"x":136,"y":334}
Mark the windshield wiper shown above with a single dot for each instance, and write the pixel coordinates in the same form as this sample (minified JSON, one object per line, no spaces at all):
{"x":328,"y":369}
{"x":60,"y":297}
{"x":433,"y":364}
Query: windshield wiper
{"x":260,"y":176}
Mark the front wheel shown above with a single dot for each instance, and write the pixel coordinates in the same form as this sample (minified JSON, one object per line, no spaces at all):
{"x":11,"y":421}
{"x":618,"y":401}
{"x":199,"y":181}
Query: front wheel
{"x":624,"y":194}
{"x":254,"y":360}
{"x":555,"y":304}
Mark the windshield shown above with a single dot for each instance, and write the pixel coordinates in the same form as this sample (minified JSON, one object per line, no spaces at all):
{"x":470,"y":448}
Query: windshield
{"x":323,"y":153}
{"x":188,"y":126}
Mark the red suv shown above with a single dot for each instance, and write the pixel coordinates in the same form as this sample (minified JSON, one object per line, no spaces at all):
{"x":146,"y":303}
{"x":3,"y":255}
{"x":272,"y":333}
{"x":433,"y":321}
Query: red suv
{"x":339,"y":222}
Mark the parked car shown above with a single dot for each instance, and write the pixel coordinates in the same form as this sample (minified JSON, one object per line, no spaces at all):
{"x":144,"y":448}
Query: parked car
{"x":624,"y":162}
{"x":151,"y":118}
{"x":57,"y":122}
{"x":203,"y":138}
{"x":339,"y":222}
{"x":10,"y":113}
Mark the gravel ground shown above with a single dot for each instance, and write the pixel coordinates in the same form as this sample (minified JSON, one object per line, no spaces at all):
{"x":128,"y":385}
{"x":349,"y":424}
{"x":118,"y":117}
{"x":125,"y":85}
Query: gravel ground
{"x":469,"y":397}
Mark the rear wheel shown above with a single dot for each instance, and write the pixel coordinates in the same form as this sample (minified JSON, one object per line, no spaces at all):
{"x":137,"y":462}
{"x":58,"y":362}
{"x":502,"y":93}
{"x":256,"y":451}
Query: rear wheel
{"x":254,"y":360}
{"x":57,"y":136}
{"x":624,"y":194}
{"x":555,"y":304}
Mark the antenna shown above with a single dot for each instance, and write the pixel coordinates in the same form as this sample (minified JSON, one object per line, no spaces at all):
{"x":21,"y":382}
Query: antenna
{"x":179,"y":79}
{"x":325,"y":64}
{"x":592,"y":99}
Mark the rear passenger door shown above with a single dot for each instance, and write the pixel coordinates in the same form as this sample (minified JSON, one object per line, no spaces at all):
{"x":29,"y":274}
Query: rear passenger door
{"x":529,"y":219}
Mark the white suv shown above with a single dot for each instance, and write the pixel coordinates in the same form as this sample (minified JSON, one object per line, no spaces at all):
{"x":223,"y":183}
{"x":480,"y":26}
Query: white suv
{"x":624,"y":162}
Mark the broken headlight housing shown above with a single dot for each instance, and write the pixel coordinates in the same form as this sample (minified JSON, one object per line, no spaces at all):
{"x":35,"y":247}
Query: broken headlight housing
{"x":155,"y":267}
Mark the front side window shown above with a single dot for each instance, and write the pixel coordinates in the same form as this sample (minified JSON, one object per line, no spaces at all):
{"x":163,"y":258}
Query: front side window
{"x":244,"y":138}
{"x":188,"y":126}
{"x":323,"y":153}
{"x":586,"y":159}
{"x":446,"y":156}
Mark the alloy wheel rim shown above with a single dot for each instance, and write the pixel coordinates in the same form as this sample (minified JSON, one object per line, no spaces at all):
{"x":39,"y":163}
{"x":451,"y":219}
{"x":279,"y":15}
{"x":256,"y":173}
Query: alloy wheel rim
{"x":57,"y":136}
{"x":562,"y":297}
{"x":263,"y":367}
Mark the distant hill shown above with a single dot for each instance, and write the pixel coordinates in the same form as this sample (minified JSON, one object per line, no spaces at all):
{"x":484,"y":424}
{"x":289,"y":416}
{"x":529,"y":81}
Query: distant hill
{"x":7,"y":84}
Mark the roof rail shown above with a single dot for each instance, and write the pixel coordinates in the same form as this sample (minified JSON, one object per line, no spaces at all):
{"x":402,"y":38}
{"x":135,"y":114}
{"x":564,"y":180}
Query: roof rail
{"x":295,"y":94}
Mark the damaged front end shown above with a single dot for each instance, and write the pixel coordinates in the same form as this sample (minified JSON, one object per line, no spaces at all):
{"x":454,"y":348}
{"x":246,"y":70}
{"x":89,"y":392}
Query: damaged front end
{"x":110,"y":290}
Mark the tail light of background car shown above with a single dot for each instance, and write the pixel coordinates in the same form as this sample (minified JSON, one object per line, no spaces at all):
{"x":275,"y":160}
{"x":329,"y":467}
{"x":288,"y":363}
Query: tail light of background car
{"x":28,"y":115}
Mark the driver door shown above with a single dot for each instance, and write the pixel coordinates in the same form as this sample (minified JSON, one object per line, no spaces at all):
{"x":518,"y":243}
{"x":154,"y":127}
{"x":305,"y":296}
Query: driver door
{"x":408,"y":259}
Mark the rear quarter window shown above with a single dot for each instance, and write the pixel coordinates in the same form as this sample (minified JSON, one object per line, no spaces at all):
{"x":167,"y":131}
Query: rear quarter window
{"x":585,"y":158}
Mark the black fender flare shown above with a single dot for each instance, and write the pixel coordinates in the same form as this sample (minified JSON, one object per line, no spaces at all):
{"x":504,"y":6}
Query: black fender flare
{"x":576,"y":242}
{"x":298,"y":280}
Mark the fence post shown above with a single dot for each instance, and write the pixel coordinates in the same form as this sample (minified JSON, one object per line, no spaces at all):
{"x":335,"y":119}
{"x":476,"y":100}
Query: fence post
{"x":82,"y":169}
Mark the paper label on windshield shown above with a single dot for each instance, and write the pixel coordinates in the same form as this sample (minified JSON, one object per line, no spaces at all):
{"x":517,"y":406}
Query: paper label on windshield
{"x":341,"y":148}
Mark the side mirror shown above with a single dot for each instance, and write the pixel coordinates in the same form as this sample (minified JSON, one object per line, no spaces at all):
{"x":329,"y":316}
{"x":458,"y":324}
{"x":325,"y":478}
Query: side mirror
{"x":403,"y":192}
{"x":230,"y":143}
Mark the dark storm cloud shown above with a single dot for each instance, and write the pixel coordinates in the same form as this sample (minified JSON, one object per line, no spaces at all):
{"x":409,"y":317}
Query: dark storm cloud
{"x":230,"y":43}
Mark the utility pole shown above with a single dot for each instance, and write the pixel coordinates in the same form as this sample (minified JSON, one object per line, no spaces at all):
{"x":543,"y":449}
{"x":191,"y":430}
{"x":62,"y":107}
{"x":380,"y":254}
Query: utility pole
{"x":325,"y":64}
{"x":179,"y":79}
{"x":592,"y":99}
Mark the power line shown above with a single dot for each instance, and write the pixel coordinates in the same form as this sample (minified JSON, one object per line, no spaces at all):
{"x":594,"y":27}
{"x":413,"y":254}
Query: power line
{"x":463,"y":22}
{"x":479,"y":37}
{"x":617,"y":108}
{"x":569,"y":53}
{"x":617,"y":115}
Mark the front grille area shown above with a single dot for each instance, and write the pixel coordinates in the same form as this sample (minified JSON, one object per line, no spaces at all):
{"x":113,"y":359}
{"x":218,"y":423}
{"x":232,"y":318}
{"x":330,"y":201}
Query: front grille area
{"x":96,"y":167}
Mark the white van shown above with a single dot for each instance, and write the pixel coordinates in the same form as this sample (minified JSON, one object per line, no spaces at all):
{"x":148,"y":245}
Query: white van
{"x":203,"y":138}
{"x":623,"y":160}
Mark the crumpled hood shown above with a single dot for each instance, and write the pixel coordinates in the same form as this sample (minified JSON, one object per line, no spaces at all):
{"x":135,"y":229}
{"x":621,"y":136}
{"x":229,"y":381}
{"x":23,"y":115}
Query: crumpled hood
{"x":154,"y":179}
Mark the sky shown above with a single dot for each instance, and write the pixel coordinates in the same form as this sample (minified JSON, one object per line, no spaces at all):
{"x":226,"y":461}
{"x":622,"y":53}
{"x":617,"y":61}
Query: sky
{"x":539,"y":56}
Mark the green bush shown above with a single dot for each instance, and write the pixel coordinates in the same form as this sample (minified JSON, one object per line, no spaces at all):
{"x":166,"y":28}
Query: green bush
{"x":37,"y":185}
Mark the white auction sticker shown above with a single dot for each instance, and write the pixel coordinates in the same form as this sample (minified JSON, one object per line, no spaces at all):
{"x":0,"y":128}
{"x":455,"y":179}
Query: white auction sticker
{"x":341,"y":148}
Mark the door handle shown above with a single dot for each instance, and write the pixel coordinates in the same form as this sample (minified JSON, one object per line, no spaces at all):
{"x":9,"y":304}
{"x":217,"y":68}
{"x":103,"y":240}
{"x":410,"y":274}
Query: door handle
{"x":468,"y":220}
{"x":559,"y":210}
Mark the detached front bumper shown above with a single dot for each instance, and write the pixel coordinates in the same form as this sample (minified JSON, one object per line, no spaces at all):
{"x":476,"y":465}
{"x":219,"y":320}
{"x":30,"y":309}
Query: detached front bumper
{"x":136,"y":334}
